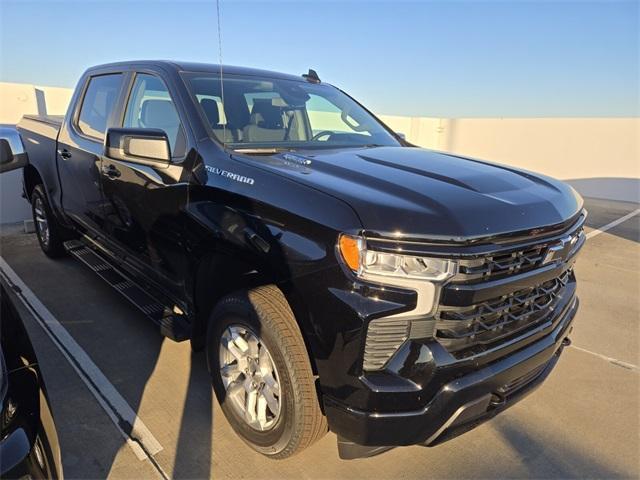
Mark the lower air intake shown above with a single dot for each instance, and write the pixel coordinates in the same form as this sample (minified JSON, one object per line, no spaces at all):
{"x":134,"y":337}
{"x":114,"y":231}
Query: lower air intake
{"x":384,"y":337}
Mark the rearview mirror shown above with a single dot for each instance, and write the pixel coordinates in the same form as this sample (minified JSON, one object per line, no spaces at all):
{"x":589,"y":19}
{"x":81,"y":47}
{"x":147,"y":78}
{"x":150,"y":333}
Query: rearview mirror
{"x":401,"y":135}
{"x":12,"y":153}
{"x":139,"y":145}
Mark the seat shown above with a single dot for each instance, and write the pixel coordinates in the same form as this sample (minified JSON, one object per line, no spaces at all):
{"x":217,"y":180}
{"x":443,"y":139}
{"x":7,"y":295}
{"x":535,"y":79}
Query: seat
{"x":160,"y":113}
{"x":265,"y":124}
{"x":224,"y":134}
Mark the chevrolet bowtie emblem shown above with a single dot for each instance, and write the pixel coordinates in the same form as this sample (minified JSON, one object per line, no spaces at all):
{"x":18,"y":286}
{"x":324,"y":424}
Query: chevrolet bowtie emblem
{"x":560,"y":250}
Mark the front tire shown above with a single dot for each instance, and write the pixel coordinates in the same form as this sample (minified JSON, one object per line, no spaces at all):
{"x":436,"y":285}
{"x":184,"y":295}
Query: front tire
{"x":48,"y":231}
{"x":261,"y":373}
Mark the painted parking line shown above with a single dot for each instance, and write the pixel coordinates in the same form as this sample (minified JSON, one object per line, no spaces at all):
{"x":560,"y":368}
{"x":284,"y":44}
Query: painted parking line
{"x":615,"y":361}
{"x":592,"y":234}
{"x":135,"y":432}
{"x":615,"y":223}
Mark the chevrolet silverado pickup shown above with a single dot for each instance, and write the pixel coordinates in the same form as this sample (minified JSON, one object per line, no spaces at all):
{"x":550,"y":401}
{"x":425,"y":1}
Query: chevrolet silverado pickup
{"x":338,"y":277}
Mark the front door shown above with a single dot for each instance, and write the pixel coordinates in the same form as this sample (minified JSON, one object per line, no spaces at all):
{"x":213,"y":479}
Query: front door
{"x":144,"y":202}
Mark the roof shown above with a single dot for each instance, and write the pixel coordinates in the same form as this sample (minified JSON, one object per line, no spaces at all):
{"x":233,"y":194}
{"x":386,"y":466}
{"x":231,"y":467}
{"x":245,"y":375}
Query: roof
{"x":203,"y":67}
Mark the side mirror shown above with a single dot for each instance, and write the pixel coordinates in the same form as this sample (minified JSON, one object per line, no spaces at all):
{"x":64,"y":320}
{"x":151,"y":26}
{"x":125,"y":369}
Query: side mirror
{"x":149,"y":146}
{"x":12,"y":153}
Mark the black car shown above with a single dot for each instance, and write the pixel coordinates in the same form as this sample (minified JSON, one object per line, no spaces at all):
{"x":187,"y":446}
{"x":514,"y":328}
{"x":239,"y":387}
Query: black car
{"x":339,"y":277}
{"x":28,"y":440}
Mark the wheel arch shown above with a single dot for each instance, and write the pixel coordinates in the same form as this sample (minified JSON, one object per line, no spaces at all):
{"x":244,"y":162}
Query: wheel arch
{"x":210,"y":287}
{"x":31,"y":178}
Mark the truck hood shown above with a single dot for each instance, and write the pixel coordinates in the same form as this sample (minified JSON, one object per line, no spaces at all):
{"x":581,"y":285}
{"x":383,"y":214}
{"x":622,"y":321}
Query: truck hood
{"x":419,"y":193}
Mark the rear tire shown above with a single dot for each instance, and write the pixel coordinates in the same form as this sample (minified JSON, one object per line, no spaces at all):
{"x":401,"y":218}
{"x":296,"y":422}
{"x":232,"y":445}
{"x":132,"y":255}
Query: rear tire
{"x":48,"y":230}
{"x":261,"y":321}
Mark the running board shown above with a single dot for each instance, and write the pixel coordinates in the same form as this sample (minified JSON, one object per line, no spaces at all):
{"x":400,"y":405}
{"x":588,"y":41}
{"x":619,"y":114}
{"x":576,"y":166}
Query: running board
{"x":172,"y":325}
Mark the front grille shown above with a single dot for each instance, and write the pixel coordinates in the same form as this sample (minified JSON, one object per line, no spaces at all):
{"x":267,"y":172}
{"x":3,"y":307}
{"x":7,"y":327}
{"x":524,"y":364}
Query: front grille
{"x":465,"y":330}
{"x":460,"y":328}
{"x":503,"y":264}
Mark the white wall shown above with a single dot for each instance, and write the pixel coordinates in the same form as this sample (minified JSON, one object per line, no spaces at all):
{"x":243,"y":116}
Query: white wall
{"x":600,"y":157}
{"x":17,"y":99}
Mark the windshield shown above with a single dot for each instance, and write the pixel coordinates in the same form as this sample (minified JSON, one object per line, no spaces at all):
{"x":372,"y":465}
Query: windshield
{"x":267,"y":113}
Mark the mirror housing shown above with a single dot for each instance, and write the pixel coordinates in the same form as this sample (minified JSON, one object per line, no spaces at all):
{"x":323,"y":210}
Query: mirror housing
{"x":149,"y":146}
{"x":12,"y":153}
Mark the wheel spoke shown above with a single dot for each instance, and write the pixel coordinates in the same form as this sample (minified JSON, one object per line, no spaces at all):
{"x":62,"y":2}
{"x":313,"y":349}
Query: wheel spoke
{"x":272,"y":384}
{"x":251,"y":400}
{"x":231,"y":371}
{"x":240,"y":343}
{"x":233,"y":349}
{"x":267,"y":394}
{"x":264,"y":361}
{"x":262,"y":411}
{"x":253,"y":346}
{"x":236,"y":391}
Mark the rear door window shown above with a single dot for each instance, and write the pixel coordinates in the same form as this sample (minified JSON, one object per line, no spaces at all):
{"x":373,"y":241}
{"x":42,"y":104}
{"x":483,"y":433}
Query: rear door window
{"x":98,"y":103}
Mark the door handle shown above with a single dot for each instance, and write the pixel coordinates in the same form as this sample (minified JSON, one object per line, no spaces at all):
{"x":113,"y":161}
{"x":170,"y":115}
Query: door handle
{"x":110,"y":171}
{"x":65,"y":154}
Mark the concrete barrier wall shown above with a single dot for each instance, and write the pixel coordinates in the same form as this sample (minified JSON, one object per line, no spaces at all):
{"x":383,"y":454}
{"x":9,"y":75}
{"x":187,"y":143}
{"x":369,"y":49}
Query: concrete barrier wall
{"x":600,"y":157}
{"x":16,"y":100}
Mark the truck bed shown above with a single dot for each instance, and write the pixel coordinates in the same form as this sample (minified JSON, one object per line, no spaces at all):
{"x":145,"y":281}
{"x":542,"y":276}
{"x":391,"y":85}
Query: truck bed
{"x":54,"y":120}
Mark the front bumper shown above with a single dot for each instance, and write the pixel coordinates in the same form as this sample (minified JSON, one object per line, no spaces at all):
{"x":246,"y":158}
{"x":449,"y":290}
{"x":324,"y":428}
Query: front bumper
{"x":459,"y":405}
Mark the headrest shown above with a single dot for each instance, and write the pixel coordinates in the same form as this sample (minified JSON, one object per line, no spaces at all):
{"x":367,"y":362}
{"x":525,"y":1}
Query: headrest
{"x":210,"y":107}
{"x":265,"y":114}
{"x":158,"y":113}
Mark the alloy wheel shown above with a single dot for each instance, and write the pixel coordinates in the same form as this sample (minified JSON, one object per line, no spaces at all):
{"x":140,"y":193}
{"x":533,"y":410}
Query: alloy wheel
{"x":250,"y":377}
{"x":42,"y":224}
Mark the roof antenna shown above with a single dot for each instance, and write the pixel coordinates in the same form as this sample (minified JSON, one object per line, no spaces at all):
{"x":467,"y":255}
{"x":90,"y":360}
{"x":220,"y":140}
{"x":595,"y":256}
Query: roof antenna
{"x":312,"y":76}
{"x":224,"y":125}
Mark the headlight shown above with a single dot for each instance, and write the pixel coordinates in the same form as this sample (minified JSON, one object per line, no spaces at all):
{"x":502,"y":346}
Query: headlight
{"x":366,"y":263}
{"x":424,"y":275}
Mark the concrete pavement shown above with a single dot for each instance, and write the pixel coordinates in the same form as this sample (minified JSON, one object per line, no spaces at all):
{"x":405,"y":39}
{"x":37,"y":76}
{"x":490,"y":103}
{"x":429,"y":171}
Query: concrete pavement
{"x":583,"y":422}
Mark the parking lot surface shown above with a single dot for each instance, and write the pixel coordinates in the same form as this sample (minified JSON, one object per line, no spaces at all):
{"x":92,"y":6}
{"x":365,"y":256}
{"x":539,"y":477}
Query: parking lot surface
{"x":583,"y":422}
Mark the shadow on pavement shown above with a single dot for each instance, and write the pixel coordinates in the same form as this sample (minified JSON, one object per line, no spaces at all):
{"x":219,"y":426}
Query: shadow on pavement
{"x":603,"y":212}
{"x":196,"y":424}
{"x":551,"y":459}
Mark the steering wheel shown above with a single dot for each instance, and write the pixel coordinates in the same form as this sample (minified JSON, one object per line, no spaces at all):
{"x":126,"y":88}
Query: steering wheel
{"x":323,"y":133}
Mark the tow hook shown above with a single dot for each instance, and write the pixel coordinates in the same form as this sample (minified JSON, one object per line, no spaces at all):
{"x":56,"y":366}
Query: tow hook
{"x":566,"y":342}
{"x":497,"y":400}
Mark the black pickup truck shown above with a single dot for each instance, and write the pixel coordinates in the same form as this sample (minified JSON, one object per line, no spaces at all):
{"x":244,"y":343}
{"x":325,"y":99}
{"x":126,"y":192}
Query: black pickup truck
{"x":338,"y":277}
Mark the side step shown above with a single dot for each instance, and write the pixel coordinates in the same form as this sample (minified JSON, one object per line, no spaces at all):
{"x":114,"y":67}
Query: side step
{"x":172,"y":325}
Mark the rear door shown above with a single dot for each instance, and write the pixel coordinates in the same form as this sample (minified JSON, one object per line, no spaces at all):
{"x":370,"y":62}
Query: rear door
{"x":144,"y":202}
{"x":80,"y":148}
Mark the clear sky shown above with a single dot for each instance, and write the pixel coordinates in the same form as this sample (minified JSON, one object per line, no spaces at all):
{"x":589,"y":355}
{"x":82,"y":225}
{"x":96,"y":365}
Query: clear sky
{"x":426,"y":58}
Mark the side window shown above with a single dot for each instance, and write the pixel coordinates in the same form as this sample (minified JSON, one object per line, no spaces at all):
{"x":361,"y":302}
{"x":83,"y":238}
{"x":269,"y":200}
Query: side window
{"x":150,"y":106}
{"x":97,"y":104}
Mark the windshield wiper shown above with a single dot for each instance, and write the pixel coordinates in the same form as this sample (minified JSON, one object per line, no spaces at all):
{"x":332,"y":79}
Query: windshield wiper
{"x":262,"y":151}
